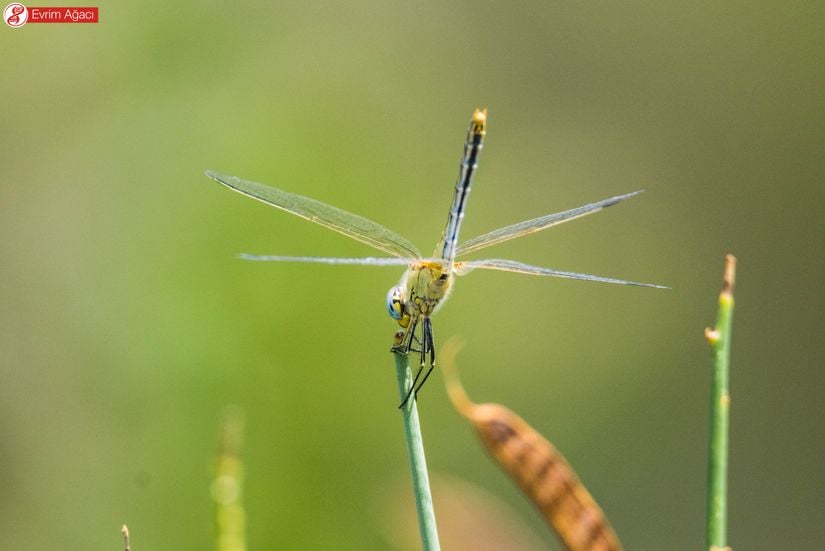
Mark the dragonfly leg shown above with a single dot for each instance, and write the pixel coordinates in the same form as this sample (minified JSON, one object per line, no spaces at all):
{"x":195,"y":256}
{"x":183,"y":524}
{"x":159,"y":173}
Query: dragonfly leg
{"x":415,"y":341}
{"x":424,"y":343}
{"x":410,"y":390}
{"x":410,"y":336}
{"x":406,"y":347}
{"x":413,"y":390}
{"x":429,"y":346}
{"x":427,"y":349}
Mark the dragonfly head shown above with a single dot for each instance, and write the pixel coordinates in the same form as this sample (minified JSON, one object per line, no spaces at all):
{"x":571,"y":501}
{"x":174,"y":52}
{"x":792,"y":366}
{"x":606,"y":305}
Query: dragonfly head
{"x":397,"y":305}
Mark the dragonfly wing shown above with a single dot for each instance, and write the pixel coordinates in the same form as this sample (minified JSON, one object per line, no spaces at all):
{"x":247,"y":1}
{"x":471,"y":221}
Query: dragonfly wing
{"x":352,"y":225}
{"x":513,"y":266}
{"x":537,"y":224}
{"x":366,"y":261}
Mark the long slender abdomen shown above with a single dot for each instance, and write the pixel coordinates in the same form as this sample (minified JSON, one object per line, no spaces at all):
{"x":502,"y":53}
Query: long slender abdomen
{"x":469,"y":162}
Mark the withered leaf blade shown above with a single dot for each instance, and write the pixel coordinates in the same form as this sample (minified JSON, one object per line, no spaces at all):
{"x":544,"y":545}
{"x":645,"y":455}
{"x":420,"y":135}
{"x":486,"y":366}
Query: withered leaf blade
{"x":543,"y":474}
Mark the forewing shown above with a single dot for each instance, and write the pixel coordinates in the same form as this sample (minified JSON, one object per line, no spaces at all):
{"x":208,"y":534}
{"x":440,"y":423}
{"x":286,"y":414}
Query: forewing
{"x":352,"y":225}
{"x":513,"y":266}
{"x":366,"y":261}
{"x":537,"y":224}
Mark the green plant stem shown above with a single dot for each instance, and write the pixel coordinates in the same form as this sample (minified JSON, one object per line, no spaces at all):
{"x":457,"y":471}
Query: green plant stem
{"x":227,"y":486}
{"x":418,"y":461}
{"x":719,"y":338}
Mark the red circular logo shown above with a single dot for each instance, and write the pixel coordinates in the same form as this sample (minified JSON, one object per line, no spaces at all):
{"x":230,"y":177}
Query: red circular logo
{"x":15,"y":15}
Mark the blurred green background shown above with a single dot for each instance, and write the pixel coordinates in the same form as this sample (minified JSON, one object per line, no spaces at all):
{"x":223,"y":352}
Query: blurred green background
{"x":127,"y":323}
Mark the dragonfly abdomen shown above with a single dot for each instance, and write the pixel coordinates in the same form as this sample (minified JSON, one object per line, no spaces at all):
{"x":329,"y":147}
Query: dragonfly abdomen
{"x":446,"y":248}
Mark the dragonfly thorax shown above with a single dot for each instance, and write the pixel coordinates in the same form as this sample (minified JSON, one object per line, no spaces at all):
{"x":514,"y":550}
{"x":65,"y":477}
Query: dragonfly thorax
{"x":423,"y":287}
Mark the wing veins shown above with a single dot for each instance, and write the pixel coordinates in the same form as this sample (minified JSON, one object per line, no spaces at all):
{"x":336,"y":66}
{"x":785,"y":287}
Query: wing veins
{"x":364,"y":261}
{"x":352,"y":225}
{"x":519,"y":267}
{"x":537,"y":224}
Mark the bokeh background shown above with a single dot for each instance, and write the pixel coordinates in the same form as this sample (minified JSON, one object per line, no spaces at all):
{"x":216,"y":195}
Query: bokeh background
{"x":127,"y":323}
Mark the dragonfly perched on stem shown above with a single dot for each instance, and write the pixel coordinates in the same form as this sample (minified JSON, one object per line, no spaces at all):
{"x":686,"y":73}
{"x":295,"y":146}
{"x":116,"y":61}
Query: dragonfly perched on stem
{"x":427,"y":281}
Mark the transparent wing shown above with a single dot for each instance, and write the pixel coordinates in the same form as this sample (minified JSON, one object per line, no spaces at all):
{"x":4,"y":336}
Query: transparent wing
{"x":538,"y":224}
{"x":352,"y":225}
{"x":366,"y":261}
{"x":513,"y":266}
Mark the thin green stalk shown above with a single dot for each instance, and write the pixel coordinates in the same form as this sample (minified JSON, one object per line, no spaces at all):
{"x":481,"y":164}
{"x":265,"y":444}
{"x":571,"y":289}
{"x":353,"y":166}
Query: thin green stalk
{"x":719,"y":339}
{"x":227,"y":486}
{"x":418,"y":462}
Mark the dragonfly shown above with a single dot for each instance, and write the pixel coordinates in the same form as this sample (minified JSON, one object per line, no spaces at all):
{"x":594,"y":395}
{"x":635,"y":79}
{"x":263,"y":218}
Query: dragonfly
{"x":427,"y":281}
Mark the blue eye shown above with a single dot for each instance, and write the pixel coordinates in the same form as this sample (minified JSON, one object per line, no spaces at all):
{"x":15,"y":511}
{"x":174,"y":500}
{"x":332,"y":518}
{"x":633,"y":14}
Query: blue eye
{"x":395,"y":302}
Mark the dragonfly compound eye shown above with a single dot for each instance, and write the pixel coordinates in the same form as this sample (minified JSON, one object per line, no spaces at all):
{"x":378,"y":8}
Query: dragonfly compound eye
{"x":395,"y":302}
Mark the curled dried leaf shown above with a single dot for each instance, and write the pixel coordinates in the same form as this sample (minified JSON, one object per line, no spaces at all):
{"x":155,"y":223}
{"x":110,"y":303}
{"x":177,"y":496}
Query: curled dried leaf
{"x":536,"y":465}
